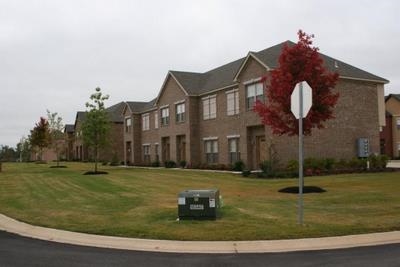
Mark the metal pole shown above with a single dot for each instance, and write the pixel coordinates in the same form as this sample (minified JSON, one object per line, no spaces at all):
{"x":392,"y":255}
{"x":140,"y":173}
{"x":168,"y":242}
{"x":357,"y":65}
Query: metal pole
{"x":301,"y":154}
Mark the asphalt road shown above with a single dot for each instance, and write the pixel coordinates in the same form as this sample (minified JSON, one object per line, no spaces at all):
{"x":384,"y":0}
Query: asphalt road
{"x":21,"y":251}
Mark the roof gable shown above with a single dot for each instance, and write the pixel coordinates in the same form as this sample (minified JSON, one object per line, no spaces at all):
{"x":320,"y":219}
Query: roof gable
{"x":395,"y":96}
{"x":196,"y":84}
{"x":171,"y":74}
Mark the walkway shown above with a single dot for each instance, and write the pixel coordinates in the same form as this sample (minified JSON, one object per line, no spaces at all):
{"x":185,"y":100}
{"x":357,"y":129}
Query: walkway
{"x":23,"y":229}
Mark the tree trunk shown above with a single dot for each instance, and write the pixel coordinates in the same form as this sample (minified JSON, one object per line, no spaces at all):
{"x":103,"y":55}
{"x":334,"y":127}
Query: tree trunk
{"x":95,"y":159}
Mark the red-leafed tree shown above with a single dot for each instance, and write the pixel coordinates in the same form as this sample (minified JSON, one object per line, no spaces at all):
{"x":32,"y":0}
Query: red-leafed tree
{"x":299,"y":62}
{"x":40,"y":136}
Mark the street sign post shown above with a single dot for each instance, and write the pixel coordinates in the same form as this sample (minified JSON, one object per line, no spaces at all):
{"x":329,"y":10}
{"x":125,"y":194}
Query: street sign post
{"x":300,"y":104}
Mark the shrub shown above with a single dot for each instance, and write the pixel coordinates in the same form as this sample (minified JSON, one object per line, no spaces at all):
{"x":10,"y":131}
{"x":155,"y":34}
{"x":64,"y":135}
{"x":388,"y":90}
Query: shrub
{"x":155,"y":163}
{"x":238,"y":166}
{"x":293,"y":166}
{"x":182,"y":163}
{"x":378,"y":162}
{"x":266,"y":166}
{"x":342,"y":164}
{"x":314,"y":164}
{"x":329,"y":164}
{"x":170,"y":164}
{"x":357,"y":164}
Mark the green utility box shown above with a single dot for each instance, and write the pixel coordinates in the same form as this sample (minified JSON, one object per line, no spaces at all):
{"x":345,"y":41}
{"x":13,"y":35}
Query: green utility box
{"x":198,"y":204}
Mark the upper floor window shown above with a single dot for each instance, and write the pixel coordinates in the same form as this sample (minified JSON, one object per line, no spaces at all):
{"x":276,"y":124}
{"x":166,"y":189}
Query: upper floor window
{"x":232,"y":102}
{"x":180,"y":112}
{"x":128,"y":125}
{"x":209,"y":107}
{"x":165,"y":116}
{"x":156,"y":120}
{"x":146,"y":122}
{"x":254,"y":92}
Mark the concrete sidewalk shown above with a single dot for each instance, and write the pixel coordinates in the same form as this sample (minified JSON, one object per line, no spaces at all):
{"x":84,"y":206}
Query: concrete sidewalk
{"x":13,"y":226}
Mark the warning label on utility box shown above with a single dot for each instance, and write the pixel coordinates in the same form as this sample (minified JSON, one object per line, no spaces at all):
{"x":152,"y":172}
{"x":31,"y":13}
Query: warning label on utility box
{"x":196,"y":206}
{"x":212,"y":203}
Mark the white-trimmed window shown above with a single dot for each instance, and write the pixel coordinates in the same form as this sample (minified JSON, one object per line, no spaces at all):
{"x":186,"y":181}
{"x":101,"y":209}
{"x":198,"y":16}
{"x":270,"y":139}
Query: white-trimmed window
{"x":209,"y":107}
{"x":254,"y":92}
{"x":128,"y":125}
{"x":156,"y":120}
{"x":146,"y":153}
{"x":232,"y":102}
{"x":211,"y":151}
{"x":180,"y":112}
{"x":145,"y":121}
{"x":164,"y":116}
{"x":233,"y":148}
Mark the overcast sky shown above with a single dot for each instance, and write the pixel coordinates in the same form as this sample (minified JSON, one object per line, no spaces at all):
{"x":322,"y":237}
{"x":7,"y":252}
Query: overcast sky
{"x":53,"y":54}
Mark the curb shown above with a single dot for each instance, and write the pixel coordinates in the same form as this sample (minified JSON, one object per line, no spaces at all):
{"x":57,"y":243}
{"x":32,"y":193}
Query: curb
{"x":210,"y":247}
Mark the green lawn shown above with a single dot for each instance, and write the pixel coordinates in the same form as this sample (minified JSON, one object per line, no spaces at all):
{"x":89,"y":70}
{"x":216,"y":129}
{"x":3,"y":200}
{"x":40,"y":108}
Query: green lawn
{"x":143,"y":203}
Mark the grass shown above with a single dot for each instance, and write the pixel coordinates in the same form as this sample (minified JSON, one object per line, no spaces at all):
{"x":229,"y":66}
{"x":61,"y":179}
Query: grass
{"x":143,"y":203}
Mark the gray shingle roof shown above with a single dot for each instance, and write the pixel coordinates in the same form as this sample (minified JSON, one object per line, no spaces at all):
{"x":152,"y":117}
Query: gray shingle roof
{"x":81,"y":115}
{"x":115,"y":112}
{"x":200,"y":83}
{"x":138,"y":107}
{"x":69,"y":128}
{"x":397,"y":96}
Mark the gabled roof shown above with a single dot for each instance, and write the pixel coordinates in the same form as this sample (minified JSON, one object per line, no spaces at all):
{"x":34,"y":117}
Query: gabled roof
{"x":115,"y":112}
{"x":270,"y":57}
{"x":200,"y":83}
{"x":395,"y":96}
{"x":139,"y":107}
{"x":189,"y":81}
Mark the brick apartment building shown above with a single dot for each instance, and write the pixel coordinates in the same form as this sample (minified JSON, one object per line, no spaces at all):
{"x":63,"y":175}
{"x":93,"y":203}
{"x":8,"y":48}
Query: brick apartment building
{"x":390,"y":135}
{"x":207,"y":118}
{"x":114,"y":151}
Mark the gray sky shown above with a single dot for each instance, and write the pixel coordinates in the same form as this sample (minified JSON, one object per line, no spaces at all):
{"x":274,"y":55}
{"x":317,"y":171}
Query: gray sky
{"x":53,"y":54}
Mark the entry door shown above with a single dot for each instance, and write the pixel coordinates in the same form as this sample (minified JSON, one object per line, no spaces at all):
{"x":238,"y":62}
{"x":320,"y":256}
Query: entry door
{"x":261,"y":149}
{"x":181,"y":148}
{"x":165,"y":148}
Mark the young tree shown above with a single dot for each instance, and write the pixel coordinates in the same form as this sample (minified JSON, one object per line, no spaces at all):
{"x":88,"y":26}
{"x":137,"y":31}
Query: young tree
{"x":24,"y":149}
{"x":96,"y":126}
{"x":300,"y":62}
{"x":40,"y":136}
{"x":56,"y":132}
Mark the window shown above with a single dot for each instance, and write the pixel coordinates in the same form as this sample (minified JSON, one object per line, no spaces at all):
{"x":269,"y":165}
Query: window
{"x":232,"y":102}
{"x":180,"y":112}
{"x":210,"y":107}
{"x":146,"y":154}
{"x":234,"y":152}
{"x":398,"y":123}
{"x":156,"y":120}
{"x":254,"y":92}
{"x":128,"y":125}
{"x":146,"y":122}
{"x":164,"y":116}
{"x":211,"y":151}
